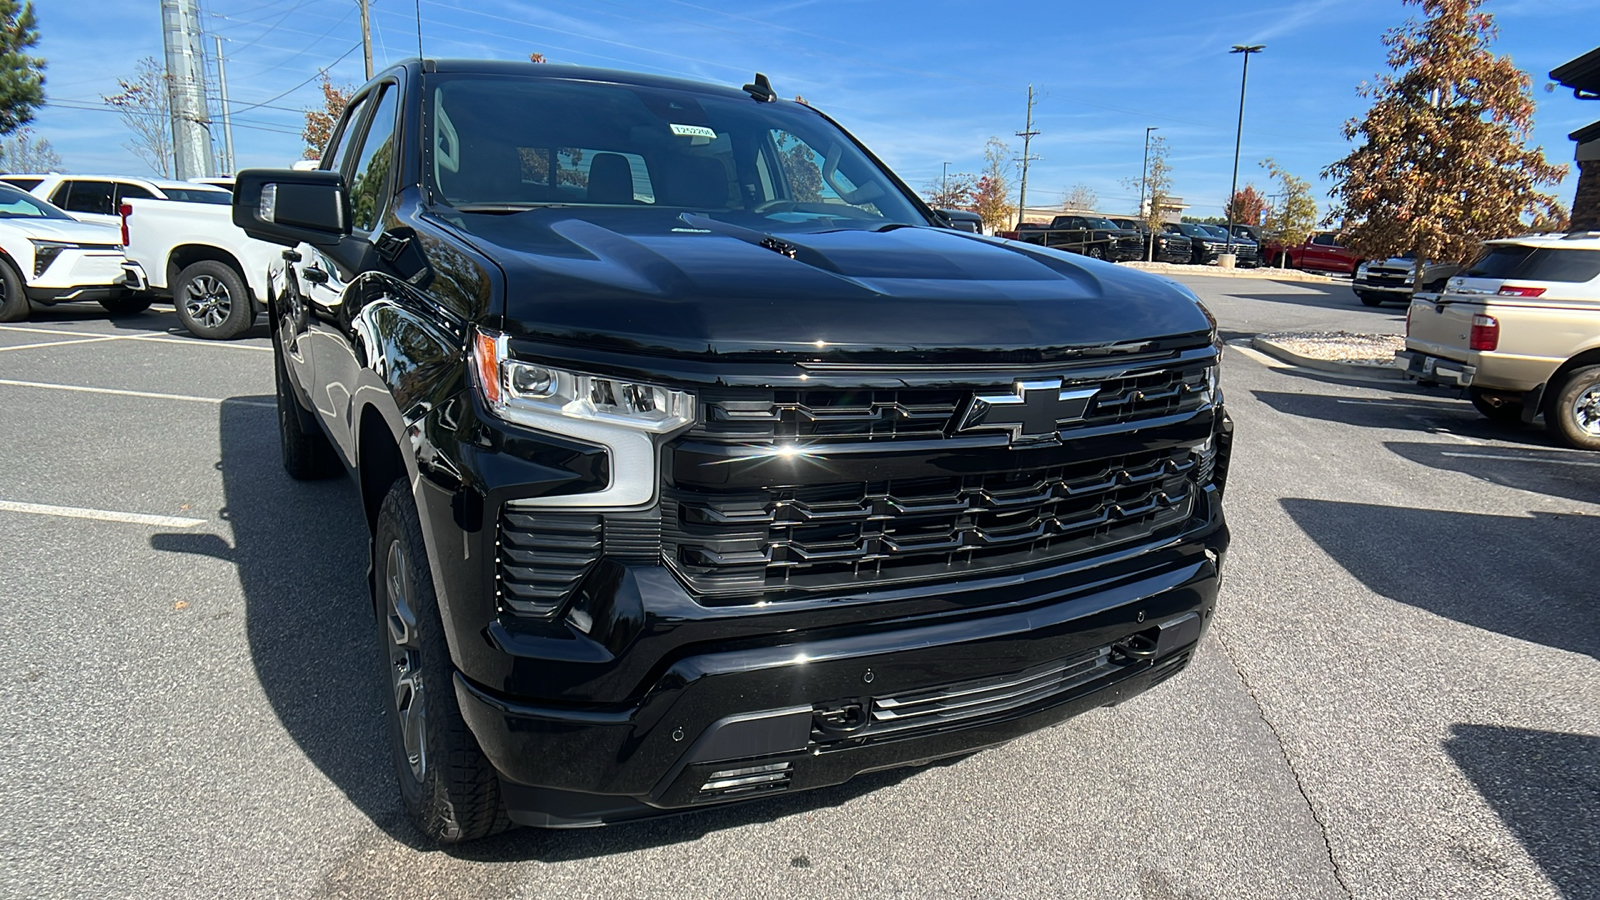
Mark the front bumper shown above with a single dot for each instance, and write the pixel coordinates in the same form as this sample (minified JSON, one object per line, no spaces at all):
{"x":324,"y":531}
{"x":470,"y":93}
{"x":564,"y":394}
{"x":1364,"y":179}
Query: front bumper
{"x":82,"y":275}
{"x":1423,"y":367}
{"x":733,"y":723}
{"x":1381,"y":287}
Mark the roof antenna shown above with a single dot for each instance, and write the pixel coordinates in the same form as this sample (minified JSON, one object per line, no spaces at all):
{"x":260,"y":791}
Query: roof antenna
{"x":761,"y":90}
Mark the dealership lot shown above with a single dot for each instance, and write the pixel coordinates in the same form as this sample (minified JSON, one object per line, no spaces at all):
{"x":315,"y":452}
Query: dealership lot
{"x":1400,"y":696}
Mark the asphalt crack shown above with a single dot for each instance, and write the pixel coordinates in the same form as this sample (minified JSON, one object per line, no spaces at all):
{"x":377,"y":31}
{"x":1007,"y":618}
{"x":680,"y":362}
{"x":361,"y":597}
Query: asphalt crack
{"x":1288,"y":763}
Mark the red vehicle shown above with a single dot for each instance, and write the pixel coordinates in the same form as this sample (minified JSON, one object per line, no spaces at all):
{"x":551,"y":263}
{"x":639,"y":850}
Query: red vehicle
{"x":1321,"y":252}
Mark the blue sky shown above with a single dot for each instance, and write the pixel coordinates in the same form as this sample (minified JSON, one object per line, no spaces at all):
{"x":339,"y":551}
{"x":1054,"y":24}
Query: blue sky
{"x":921,"y":83}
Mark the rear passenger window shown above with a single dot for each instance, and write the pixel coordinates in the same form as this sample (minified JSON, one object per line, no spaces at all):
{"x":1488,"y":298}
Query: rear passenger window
{"x":583,"y":175}
{"x":89,"y":197}
{"x":132,"y":192}
{"x":1571,"y":266}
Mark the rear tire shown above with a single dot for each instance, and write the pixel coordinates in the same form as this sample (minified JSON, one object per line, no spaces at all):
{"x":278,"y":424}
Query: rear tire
{"x":13,"y":299}
{"x":1506,"y":413}
{"x":213,"y":301}
{"x":450,"y":790}
{"x":1573,"y":411}
{"x":307,"y":454}
{"x":1368,"y":298}
{"x":125,"y":306}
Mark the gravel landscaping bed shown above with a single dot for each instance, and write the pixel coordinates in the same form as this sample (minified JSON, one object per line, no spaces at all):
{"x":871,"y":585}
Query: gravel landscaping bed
{"x":1341,"y":346}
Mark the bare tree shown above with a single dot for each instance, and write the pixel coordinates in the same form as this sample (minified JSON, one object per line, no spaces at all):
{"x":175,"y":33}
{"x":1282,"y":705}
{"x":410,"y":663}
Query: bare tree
{"x":21,"y":151}
{"x":952,"y":192}
{"x":1079,"y":198}
{"x":144,"y":102}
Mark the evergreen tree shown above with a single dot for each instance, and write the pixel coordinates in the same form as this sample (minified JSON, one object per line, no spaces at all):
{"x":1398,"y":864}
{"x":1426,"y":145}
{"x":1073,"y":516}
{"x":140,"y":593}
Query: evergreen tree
{"x":21,"y":75}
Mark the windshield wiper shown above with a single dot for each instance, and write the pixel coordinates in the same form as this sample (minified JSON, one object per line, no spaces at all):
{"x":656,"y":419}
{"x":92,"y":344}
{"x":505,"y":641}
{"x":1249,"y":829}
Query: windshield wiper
{"x":506,"y":208}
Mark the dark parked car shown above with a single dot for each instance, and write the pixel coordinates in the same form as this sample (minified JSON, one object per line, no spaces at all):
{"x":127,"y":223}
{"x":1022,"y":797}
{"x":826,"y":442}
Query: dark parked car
{"x":1245,"y":250}
{"x":962,"y":220}
{"x":1089,"y":235}
{"x":696,"y":471}
{"x":1171,"y":247}
{"x":1205,"y":246}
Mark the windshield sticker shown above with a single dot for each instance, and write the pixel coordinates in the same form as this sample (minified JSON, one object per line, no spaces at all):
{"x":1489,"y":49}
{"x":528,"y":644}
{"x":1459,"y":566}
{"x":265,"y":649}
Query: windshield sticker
{"x":693,"y":131}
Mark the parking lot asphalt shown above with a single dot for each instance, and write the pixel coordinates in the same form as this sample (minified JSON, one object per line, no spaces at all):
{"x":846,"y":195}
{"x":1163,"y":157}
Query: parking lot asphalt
{"x":1400,"y":696}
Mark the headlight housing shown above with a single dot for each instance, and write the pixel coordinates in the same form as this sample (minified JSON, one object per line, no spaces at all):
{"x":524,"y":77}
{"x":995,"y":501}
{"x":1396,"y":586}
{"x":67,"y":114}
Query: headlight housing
{"x":45,"y":253}
{"x":1361,"y":270}
{"x":619,"y":414}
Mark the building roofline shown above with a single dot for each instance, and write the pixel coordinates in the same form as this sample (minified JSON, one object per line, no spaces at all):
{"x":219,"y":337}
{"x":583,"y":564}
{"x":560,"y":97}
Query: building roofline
{"x":1581,"y":74}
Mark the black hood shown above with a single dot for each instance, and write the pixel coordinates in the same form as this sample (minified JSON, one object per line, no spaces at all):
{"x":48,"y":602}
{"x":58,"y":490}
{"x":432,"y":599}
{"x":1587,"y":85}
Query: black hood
{"x":684,"y":285}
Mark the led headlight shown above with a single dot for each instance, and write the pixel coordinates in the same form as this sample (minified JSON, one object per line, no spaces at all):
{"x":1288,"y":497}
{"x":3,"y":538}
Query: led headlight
{"x":45,"y":253}
{"x":619,"y":414}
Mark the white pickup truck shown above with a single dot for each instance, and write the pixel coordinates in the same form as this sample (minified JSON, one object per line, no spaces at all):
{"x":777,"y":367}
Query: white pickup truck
{"x":193,"y":252}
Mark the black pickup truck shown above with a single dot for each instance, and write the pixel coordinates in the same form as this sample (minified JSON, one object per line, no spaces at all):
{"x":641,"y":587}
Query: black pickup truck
{"x":703,"y":462}
{"x":1170,"y":246}
{"x":1091,"y":236}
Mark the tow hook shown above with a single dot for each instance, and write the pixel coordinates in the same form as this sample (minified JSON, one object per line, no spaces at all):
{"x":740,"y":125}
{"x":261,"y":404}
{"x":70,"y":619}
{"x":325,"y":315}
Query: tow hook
{"x":840,"y":718}
{"x":1136,"y":647}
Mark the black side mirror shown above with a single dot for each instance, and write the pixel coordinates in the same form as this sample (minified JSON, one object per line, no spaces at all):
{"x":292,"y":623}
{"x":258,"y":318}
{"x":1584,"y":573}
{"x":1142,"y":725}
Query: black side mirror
{"x":961,"y":220}
{"x":290,"y":207}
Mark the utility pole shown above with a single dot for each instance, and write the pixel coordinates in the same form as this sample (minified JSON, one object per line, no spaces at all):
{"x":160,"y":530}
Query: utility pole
{"x":1238,"y":135}
{"x":1144,"y":175}
{"x":1027,"y":138}
{"x":186,"y":79}
{"x":227,"y":117}
{"x":366,"y":35}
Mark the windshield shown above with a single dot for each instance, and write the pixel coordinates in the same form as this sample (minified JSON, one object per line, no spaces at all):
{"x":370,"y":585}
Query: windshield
{"x":15,"y":204}
{"x":1564,"y":264}
{"x":1097,"y":222}
{"x":1194,"y":231}
{"x":198,"y":195}
{"x":505,"y":144}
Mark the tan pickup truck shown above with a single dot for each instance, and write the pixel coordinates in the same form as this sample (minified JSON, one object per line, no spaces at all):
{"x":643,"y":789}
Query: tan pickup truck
{"x":1520,"y":329}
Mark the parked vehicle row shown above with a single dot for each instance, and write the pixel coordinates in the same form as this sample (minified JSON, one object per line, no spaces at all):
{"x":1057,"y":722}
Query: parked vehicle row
{"x":1093,"y":236}
{"x":132,"y":241}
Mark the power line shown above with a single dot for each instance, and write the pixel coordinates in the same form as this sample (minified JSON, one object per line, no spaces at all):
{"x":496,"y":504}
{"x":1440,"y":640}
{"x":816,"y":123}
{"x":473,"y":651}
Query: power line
{"x":353,"y":48}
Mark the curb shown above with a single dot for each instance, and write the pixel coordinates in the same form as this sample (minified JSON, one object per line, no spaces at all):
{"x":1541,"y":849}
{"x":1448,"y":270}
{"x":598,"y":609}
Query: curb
{"x":1262,"y":274}
{"x":1284,"y":354}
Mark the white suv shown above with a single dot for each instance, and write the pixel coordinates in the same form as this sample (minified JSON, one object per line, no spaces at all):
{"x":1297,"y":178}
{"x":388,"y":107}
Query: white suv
{"x":98,"y":198}
{"x":50,"y":257}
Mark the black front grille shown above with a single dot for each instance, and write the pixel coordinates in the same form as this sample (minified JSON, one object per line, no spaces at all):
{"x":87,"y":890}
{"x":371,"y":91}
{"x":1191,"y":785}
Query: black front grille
{"x":832,"y":536}
{"x":924,"y":414}
{"x":858,"y":415}
{"x":541,"y":557}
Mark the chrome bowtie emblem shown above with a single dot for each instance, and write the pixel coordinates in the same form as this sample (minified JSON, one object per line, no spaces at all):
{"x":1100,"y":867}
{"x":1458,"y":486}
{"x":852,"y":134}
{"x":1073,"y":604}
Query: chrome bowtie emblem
{"x":1033,"y":412}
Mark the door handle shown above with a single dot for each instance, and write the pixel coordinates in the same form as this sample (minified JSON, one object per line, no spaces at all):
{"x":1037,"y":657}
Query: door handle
{"x":314,"y":275}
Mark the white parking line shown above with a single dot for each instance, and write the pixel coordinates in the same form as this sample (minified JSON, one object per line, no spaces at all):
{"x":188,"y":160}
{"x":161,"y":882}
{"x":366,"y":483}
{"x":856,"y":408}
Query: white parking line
{"x":123,"y":393}
{"x":82,"y":340}
{"x":1532,"y":459}
{"x":103,"y":515}
{"x":166,"y":338}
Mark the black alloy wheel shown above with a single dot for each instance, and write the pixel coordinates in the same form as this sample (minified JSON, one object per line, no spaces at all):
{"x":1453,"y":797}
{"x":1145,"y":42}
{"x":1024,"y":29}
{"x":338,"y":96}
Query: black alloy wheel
{"x":450,"y":790}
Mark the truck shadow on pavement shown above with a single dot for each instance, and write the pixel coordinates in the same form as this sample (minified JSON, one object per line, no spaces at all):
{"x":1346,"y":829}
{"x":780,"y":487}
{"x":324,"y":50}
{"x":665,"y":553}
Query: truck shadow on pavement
{"x":1409,"y":409}
{"x":1571,"y":474}
{"x":300,"y":550}
{"x":1545,"y":786}
{"x":1520,"y":576}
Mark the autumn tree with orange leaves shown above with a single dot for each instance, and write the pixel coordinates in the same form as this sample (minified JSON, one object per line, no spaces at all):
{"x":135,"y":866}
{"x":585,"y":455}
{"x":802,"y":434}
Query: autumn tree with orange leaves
{"x":321,"y":122}
{"x":1443,"y":162}
{"x":1246,"y":206}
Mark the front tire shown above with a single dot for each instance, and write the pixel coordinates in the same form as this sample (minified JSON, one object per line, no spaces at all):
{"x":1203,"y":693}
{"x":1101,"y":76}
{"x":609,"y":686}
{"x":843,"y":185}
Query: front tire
{"x":1096,"y":251}
{"x":1573,"y":413}
{"x":1368,"y":298}
{"x":13,"y":299}
{"x":213,"y":301}
{"x":125,"y":306}
{"x":450,"y":790}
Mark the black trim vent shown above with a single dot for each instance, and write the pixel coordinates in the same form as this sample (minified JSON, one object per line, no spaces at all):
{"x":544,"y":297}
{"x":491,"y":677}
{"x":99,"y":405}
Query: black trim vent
{"x":541,"y":557}
{"x":634,"y":537}
{"x":954,"y":704}
{"x":745,"y":781}
{"x":1169,"y":667}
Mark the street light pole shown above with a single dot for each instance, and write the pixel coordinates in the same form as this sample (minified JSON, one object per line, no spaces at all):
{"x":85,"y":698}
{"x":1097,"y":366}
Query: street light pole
{"x":1238,"y":135}
{"x":1144,"y":174}
{"x":944,"y":183}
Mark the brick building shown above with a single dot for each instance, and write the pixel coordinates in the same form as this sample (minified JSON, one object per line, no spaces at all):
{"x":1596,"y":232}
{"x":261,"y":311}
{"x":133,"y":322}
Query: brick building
{"x":1583,"y":76}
